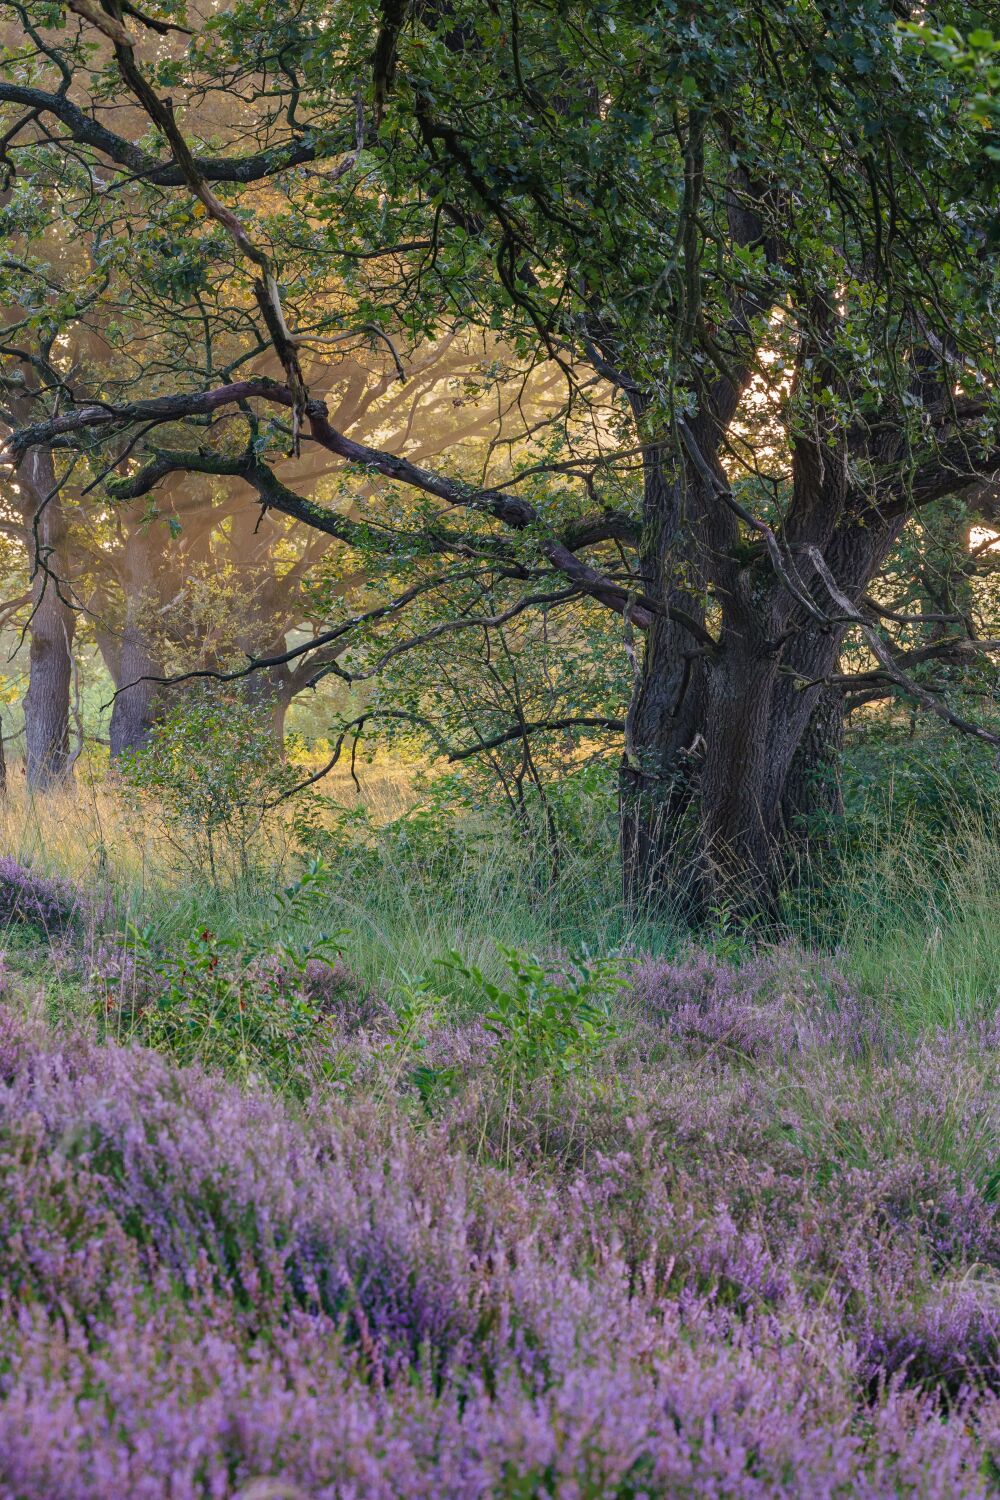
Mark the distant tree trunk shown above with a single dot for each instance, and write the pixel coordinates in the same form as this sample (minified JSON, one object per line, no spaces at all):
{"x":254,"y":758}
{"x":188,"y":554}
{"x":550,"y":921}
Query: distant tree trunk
{"x":133,"y":713}
{"x":270,"y":693}
{"x":134,"y":661}
{"x":53,"y":625}
{"x":279,"y":714}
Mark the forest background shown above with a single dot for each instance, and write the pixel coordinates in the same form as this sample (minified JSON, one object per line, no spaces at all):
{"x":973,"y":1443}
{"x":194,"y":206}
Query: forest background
{"x":500,"y":576}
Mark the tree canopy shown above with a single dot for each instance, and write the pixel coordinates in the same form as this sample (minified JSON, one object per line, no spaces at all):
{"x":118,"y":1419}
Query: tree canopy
{"x":730,"y":274}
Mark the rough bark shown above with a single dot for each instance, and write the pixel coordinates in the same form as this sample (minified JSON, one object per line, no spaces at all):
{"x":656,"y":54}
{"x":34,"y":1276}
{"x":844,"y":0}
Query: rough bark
{"x":658,"y":774}
{"x":812,"y":786}
{"x":755,"y":761}
{"x":731,"y":746}
{"x":133,"y":713}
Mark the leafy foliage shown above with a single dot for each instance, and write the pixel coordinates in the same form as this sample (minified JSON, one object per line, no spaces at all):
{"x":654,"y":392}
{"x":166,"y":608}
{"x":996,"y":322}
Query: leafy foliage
{"x":731,"y":361}
{"x":210,"y":773}
{"x":248,"y":1003}
{"x":545,"y":1022}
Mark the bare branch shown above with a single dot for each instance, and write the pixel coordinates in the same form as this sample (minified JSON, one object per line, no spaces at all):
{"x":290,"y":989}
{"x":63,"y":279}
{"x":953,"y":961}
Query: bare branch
{"x":890,"y":667}
{"x":450,"y":753}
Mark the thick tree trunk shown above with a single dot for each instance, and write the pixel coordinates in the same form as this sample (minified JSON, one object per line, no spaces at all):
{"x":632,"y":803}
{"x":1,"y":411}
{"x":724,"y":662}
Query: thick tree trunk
{"x":731,"y":747}
{"x":659,"y":771}
{"x":738,"y":781}
{"x":720,"y":835}
{"x":53,"y":624}
{"x":812,"y":786}
{"x":46,"y":703}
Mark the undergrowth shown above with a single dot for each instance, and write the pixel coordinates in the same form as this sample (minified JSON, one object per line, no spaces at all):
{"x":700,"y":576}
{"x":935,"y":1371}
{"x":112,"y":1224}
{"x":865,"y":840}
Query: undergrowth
{"x":409,"y":1165}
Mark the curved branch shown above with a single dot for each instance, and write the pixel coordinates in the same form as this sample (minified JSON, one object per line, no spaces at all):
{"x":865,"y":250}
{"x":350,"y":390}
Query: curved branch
{"x":511,"y":510}
{"x":890,"y":667}
{"x":452,"y":755}
{"x":124,"y":153}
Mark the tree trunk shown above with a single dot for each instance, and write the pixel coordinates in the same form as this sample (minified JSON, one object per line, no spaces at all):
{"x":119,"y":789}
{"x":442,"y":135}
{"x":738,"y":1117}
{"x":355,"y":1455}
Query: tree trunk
{"x":134,"y":710}
{"x":752,"y":761}
{"x":53,"y":624}
{"x":812,"y":787}
{"x":659,"y":770}
{"x":730,"y":747}
{"x":133,"y":713}
{"x":739,"y":779}
{"x":270,"y":693}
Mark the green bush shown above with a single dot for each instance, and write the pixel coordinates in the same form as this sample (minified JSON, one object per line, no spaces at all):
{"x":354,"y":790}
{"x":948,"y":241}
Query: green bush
{"x":242,"y":1003}
{"x":545,"y":1021}
{"x":213,"y":773}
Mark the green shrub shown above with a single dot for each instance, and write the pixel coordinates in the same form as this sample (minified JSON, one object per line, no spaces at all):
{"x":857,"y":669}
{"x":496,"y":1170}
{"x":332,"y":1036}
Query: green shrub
{"x":545,"y":1021}
{"x":243,"y":1002}
{"x":214,"y":773}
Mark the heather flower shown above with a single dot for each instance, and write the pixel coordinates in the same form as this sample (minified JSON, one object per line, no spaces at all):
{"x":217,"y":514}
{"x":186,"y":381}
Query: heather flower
{"x":338,"y":992}
{"x":750,"y":1285}
{"x":366,"y":1251}
{"x":123,"y":984}
{"x":767,"y":1007}
{"x":25,"y":896}
{"x":952,"y":1341}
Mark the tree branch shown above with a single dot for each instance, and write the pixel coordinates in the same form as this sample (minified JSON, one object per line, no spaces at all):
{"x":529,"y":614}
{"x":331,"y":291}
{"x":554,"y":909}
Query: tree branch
{"x":890,"y":667}
{"x":124,"y":153}
{"x":452,"y":755}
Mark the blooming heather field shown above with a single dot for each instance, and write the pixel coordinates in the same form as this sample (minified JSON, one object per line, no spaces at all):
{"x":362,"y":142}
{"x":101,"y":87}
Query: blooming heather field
{"x":750,"y":1248}
{"x":499,"y":749}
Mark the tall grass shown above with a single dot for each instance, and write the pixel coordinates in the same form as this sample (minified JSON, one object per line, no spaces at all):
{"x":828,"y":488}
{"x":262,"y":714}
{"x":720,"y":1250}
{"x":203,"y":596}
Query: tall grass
{"x":403,"y":892}
{"x":911,"y":912}
{"x":920,"y":920}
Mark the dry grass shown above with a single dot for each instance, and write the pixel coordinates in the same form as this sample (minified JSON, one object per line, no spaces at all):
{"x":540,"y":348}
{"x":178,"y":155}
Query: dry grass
{"x":71,"y":830}
{"x":388,"y":789}
{"x":87,"y":826}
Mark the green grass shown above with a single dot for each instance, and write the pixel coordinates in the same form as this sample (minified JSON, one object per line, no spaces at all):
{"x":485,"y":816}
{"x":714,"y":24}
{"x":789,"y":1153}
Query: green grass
{"x":917,"y":921}
{"x":909,"y":917}
{"x":911,"y":913}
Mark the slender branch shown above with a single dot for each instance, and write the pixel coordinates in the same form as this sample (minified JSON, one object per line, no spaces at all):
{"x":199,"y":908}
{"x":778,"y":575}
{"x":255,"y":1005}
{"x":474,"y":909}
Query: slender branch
{"x":890,"y":667}
{"x":451,"y":754}
{"x":901,"y":619}
{"x":327,"y":638}
{"x":357,"y":724}
{"x":541,"y":726}
{"x":783,"y":567}
{"x":161,"y":112}
{"x":87,"y":131}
